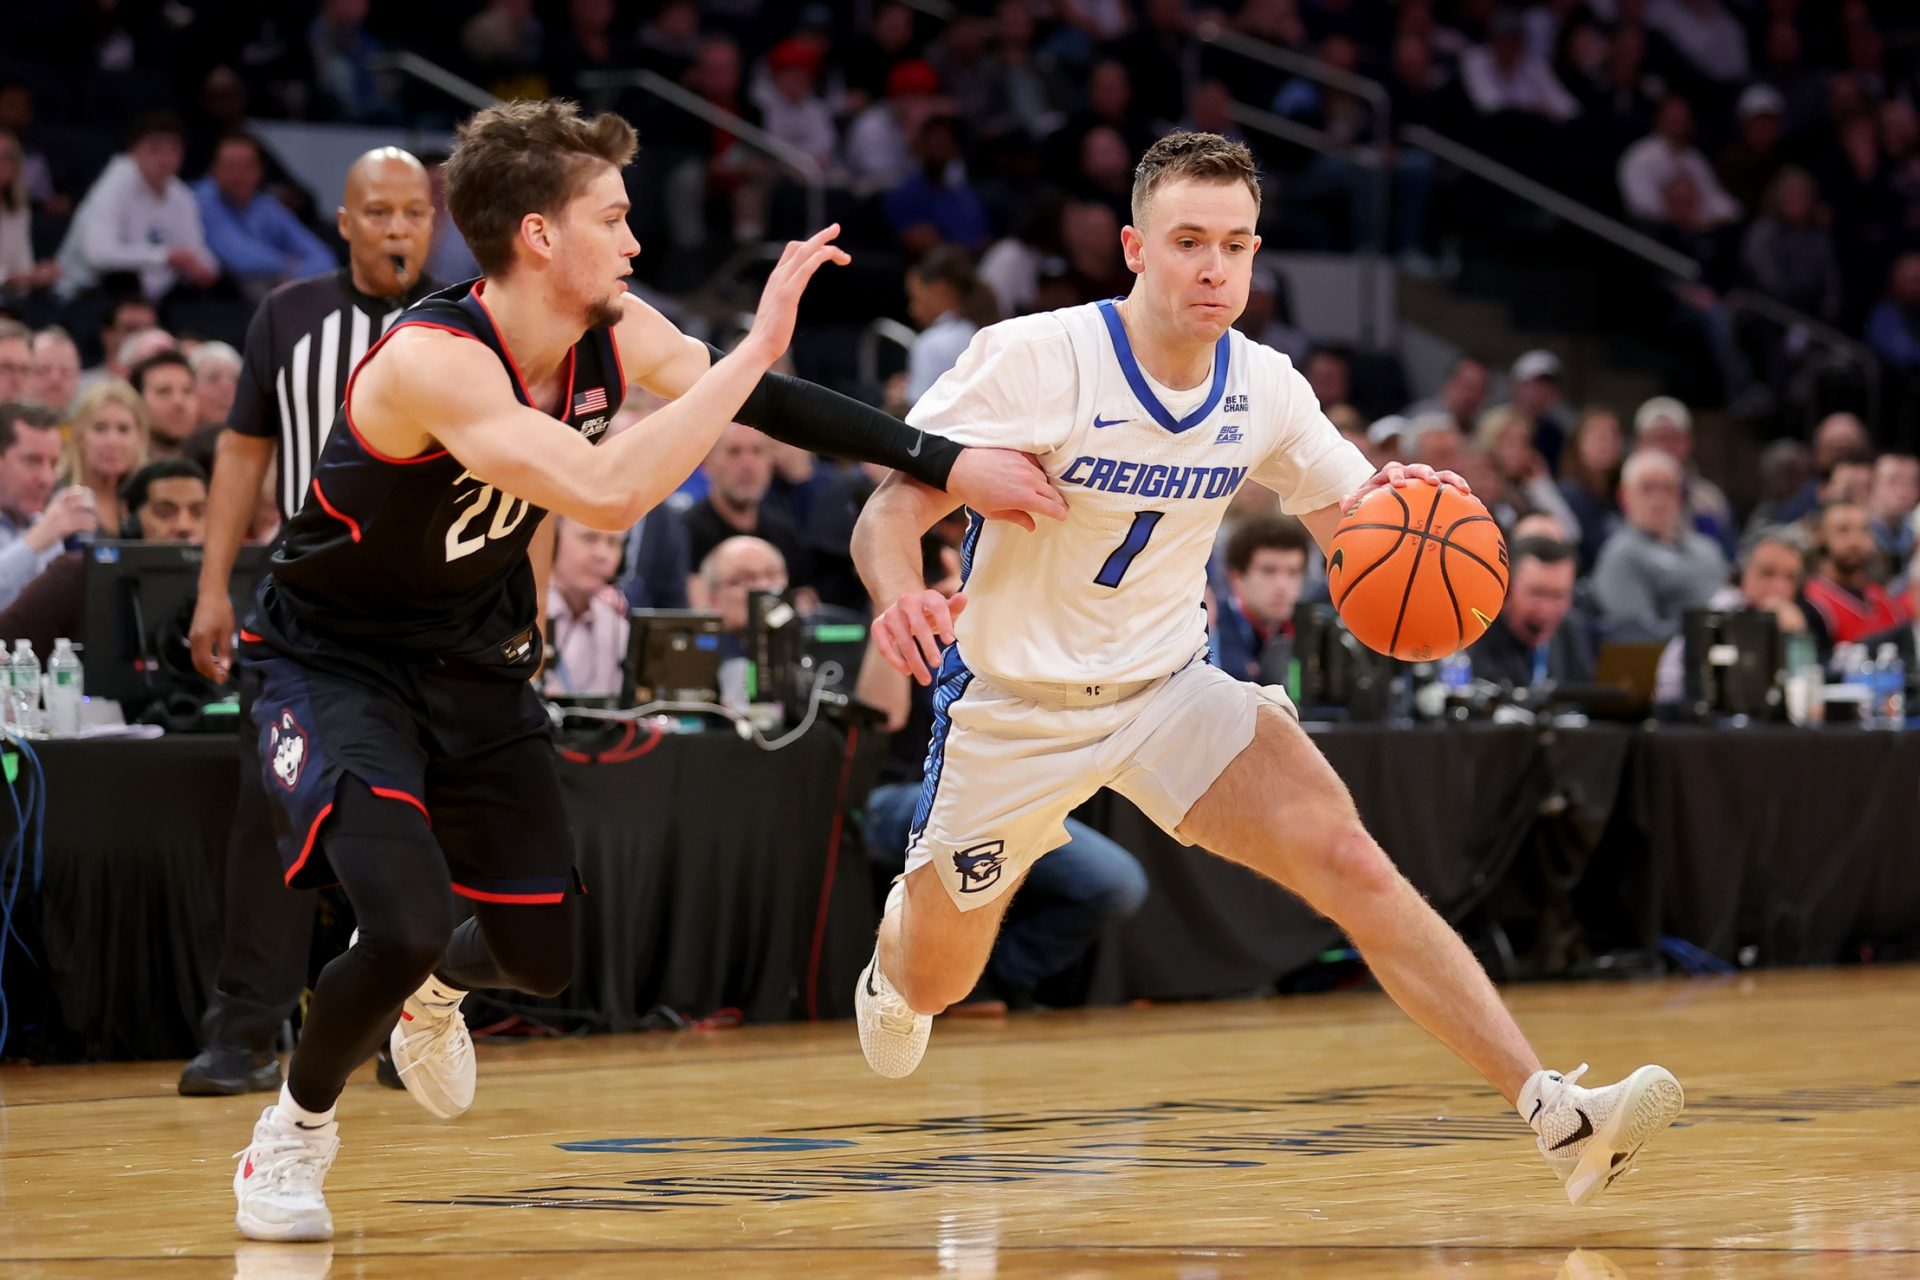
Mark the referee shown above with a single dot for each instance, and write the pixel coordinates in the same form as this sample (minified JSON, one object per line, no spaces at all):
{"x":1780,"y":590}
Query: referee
{"x":303,"y":342}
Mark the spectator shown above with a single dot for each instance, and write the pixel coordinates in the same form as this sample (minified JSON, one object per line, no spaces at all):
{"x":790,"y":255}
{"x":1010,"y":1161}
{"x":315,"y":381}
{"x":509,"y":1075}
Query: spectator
{"x":959,"y":57}
{"x":739,"y":472}
{"x":1892,"y":501}
{"x":343,"y":56}
{"x":1094,"y":270}
{"x":1705,"y":35}
{"x":879,"y":147}
{"x":947,"y":300}
{"x":1504,"y":75}
{"x":1848,"y":605}
{"x":1462,"y":396}
{"x":790,"y":105}
{"x":1266,"y":574}
{"x":1905,"y":637}
{"x":1539,"y":398}
{"x":729,"y":573}
{"x":56,"y":370}
{"x":1110,"y":102}
{"x":1848,"y":480}
{"x":588,"y":45}
{"x":1590,"y":480}
{"x":139,"y":217}
{"x":1788,"y":253}
{"x":166,"y":502}
{"x":868,"y":60}
{"x":1020,"y":95}
{"x":1506,"y":438}
{"x":108,"y":443}
{"x":1786,"y":481}
{"x":165,"y":384}
{"x":216,"y":376}
{"x":16,"y":360}
{"x":1893,"y":327}
{"x":449,"y":258}
{"x":1539,"y":635}
{"x":586,"y":615}
{"x":16,"y":118}
{"x":1651,"y":163}
{"x":1772,"y":565}
{"x":20,"y":274}
{"x":1665,"y":424}
{"x":125,"y":317}
{"x":506,"y":45}
{"x":936,"y":205}
{"x":34,"y":520}
{"x":1329,"y":371}
{"x":1068,"y":899}
{"x":1011,"y":268}
{"x":1655,"y":567}
{"x":1747,"y":167}
{"x":1621,"y":107}
{"x":1105,"y":171}
{"x":251,"y":233}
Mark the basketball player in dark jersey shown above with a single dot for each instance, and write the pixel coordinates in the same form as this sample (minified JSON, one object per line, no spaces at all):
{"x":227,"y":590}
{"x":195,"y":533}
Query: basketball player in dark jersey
{"x":389,"y":652}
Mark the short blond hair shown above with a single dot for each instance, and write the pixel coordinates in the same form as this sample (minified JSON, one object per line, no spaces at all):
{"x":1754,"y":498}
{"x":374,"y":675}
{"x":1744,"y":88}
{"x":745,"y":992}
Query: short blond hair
{"x":1202,"y":157}
{"x":97,"y":395}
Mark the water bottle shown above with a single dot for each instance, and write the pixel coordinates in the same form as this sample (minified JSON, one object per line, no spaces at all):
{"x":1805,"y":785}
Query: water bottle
{"x":1456,"y":672}
{"x":23,"y":689}
{"x":66,"y":685}
{"x":1889,"y":690}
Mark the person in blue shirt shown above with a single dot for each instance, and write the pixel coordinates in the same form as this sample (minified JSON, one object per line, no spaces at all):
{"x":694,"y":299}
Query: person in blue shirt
{"x":1266,"y":572}
{"x":256,"y":238}
{"x":937,"y":205}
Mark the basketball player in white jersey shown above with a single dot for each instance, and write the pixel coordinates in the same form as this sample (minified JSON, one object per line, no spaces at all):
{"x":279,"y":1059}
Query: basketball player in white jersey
{"x":1079,"y":650}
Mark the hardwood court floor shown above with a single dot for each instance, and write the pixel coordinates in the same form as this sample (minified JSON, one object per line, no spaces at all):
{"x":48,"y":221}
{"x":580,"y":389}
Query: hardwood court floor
{"x":1308,"y":1137}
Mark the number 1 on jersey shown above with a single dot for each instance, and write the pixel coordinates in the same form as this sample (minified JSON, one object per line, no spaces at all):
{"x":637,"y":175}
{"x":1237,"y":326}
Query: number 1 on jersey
{"x":1136,"y":541}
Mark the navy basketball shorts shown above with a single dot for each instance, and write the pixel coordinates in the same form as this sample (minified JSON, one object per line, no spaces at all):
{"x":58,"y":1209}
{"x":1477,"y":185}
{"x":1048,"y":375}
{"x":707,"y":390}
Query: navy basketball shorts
{"x":474,"y":754}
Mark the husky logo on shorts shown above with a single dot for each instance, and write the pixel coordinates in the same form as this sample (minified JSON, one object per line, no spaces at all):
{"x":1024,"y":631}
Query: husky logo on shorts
{"x":287,"y":744}
{"x":979,"y":867}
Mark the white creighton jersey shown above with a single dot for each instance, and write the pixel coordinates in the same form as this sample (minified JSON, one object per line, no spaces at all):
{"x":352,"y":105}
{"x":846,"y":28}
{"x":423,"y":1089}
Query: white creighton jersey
{"x":1116,"y":591}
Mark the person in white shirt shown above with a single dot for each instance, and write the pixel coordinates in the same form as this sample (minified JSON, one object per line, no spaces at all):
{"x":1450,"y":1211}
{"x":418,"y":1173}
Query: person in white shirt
{"x":585,"y":612}
{"x":1651,"y":163}
{"x":139,"y":217}
{"x":947,"y":300}
{"x":1078,"y":654}
{"x":1504,"y":75}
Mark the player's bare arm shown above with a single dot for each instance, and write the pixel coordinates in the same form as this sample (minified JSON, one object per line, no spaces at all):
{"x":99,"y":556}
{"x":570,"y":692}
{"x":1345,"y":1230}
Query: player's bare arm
{"x":1000,"y":483}
{"x":240,"y":467}
{"x":470,"y":410}
{"x":915,"y":621}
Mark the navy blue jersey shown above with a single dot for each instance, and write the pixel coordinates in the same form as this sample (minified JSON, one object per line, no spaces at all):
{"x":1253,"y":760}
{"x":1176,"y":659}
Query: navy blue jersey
{"x":417,"y":558}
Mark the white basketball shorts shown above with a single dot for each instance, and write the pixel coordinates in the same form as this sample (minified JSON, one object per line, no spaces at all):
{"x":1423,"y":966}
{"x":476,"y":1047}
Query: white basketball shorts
{"x":1007,"y":764}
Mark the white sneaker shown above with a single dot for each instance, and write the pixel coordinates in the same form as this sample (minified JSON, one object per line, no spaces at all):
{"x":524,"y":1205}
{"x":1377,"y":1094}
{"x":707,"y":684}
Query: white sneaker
{"x":279,"y":1179}
{"x":432,"y":1051}
{"x":1591,"y":1136}
{"x":892,"y":1035}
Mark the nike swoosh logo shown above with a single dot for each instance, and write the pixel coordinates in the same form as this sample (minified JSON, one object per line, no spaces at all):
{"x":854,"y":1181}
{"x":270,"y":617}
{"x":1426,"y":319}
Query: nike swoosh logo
{"x":1337,"y":562}
{"x":309,"y":1127}
{"x":1584,"y":1131}
{"x":1100,"y":422}
{"x":870,"y":990}
{"x":918,"y":440}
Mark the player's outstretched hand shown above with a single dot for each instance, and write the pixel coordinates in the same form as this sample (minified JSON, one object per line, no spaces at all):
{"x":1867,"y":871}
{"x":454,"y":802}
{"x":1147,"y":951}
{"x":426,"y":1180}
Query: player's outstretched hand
{"x":211,"y":635}
{"x":780,"y":299}
{"x":1399,"y":475}
{"x":1004,"y":485}
{"x":914,"y":630}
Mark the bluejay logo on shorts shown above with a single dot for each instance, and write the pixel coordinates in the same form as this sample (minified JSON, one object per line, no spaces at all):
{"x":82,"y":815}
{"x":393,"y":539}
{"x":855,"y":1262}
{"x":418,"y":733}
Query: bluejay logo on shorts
{"x":979,"y":867}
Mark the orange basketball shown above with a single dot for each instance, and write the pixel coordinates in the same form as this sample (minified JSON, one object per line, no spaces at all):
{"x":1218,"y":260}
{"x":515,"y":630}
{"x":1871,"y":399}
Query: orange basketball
{"x":1418,"y":572}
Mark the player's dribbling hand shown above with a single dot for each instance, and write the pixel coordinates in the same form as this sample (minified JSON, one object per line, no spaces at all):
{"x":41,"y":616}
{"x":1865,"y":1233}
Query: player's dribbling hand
{"x":1004,"y":485}
{"x":914,"y":630}
{"x":1399,"y":475}
{"x":780,"y":299}
{"x":211,"y":636}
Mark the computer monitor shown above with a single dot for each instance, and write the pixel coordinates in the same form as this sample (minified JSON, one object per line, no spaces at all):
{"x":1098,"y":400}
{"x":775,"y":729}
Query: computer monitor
{"x":673,"y":655}
{"x":1734,"y":659}
{"x":138,"y":605}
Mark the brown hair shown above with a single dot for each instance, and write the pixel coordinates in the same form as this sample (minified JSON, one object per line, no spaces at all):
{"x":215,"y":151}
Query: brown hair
{"x":1203,"y":157}
{"x":518,"y":158}
{"x":953,"y":266}
{"x":1262,"y":533}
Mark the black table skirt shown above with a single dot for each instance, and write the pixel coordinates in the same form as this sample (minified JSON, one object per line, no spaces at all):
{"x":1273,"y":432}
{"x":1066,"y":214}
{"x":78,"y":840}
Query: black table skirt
{"x":720,"y":876}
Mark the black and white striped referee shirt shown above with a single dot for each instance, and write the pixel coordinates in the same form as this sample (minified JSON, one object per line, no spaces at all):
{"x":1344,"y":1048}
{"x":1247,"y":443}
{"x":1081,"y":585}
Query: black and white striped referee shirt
{"x":304,"y":340}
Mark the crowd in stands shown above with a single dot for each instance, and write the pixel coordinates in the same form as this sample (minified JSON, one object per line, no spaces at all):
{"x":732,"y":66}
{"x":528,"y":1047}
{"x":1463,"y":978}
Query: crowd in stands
{"x":982,"y":165}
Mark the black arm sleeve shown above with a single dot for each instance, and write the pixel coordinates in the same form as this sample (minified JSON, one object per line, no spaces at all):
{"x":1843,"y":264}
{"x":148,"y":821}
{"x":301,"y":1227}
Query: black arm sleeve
{"x":795,"y":411}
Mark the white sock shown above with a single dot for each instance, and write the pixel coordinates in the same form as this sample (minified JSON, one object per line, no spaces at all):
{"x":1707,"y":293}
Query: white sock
{"x":1529,"y":1103}
{"x":294,"y":1116}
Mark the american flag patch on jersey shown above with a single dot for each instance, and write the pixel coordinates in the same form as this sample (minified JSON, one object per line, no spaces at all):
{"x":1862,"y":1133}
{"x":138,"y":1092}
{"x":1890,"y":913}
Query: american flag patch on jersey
{"x":594,"y":401}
